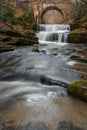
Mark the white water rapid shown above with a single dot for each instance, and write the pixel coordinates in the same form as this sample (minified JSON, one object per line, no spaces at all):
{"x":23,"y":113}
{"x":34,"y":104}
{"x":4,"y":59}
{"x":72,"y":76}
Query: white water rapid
{"x":56,"y":33}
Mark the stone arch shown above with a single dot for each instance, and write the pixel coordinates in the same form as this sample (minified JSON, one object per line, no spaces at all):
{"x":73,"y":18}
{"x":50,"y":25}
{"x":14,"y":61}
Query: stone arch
{"x":48,"y":9}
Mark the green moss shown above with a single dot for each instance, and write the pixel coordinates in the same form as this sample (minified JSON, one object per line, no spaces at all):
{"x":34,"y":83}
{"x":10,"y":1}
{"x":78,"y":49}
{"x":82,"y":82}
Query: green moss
{"x":35,"y":49}
{"x":78,"y":38}
{"x":79,"y":89}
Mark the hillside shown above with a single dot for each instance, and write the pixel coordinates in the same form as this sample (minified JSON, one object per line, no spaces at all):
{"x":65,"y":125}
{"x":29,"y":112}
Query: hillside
{"x":17,"y":26}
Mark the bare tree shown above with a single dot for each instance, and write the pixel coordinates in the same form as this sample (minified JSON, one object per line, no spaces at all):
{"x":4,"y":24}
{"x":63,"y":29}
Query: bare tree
{"x":85,"y":1}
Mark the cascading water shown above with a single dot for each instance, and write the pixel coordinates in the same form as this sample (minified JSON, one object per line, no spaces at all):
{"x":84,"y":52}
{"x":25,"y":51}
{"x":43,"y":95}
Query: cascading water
{"x":57,"y":33}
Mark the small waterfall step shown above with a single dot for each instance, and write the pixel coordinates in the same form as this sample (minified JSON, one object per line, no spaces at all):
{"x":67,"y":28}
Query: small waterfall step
{"x":56,"y":33}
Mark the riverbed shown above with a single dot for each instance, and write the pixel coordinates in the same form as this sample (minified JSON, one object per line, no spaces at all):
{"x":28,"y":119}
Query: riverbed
{"x":33,"y":87}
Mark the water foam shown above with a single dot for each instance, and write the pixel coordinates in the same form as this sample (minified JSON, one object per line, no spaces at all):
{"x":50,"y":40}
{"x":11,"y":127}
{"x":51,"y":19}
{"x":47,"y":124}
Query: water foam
{"x":55,"y":34}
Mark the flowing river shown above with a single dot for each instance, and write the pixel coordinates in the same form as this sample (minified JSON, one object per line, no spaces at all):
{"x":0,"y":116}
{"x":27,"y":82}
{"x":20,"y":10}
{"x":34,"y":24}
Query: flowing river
{"x":33,"y":85}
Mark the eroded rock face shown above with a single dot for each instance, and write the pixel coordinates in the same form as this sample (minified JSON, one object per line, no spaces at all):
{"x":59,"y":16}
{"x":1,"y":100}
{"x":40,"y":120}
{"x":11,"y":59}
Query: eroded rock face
{"x":16,"y":39}
{"x":4,"y":48}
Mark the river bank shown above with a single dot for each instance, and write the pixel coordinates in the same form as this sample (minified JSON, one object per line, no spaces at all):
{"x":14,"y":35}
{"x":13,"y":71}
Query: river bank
{"x":10,"y":39}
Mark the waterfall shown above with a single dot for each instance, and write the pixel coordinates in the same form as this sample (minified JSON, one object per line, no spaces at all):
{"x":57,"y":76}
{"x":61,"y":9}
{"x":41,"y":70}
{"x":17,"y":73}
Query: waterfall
{"x":56,"y":33}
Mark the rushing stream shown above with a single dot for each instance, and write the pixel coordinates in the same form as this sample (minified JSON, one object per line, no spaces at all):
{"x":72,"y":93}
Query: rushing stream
{"x":33,"y":85}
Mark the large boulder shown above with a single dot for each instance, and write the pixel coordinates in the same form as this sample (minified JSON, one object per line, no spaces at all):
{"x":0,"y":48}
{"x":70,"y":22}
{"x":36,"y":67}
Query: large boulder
{"x":79,"y":89}
{"x":35,"y":49}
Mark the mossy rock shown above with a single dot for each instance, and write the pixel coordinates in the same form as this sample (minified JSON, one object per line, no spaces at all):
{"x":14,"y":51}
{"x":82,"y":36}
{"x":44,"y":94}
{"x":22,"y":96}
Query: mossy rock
{"x":79,"y":89}
{"x":77,"y":38}
{"x":35,"y":49}
{"x":4,"y":48}
{"x":26,"y":41}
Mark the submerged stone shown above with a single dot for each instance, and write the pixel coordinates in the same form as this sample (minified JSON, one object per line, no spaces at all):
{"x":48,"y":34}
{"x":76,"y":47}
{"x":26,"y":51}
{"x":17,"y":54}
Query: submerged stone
{"x":35,"y":126}
{"x":68,"y":126}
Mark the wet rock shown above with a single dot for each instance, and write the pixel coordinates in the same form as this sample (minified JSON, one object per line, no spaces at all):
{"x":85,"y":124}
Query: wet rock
{"x":35,"y":126}
{"x":79,"y":58}
{"x":35,"y":49}
{"x":49,"y":81}
{"x":82,"y":60}
{"x":80,"y":67}
{"x":80,"y":54}
{"x":4,"y":48}
{"x":77,"y":38}
{"x":78,"y":89}
{"x":75,"y":57}
{"x":26,"y":41}
{"x":68,"y":126}
{"x":55,"y":54}
{"x":43,"y":51}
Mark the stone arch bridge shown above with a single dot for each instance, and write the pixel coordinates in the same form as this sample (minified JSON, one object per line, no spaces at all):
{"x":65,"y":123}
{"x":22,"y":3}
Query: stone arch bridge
{"x":41,"y":7}
{"x":63,"y":7}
